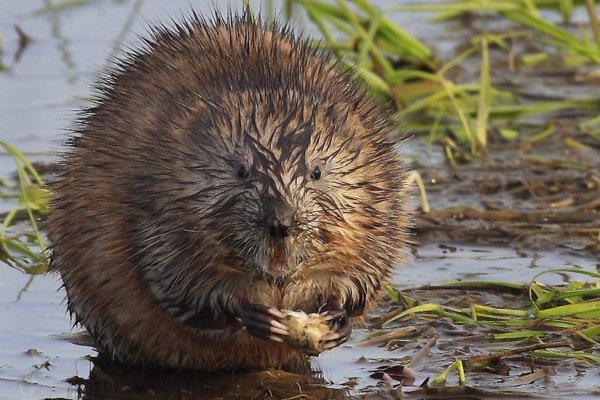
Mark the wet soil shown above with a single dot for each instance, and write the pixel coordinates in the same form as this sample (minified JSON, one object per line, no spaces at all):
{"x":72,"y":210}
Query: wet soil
{"x":512,"y":197}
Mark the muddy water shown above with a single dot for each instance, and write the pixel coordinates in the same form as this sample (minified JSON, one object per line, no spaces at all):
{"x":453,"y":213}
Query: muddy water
{"x":37,"y":355}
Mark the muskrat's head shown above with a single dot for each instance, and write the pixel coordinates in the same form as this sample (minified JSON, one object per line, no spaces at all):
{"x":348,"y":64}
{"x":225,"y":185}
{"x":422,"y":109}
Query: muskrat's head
{"x":290,"y":179}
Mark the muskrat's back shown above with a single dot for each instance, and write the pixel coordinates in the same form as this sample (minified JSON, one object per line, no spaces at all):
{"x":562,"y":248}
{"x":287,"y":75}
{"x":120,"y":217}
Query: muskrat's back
{"x":226,"y":172}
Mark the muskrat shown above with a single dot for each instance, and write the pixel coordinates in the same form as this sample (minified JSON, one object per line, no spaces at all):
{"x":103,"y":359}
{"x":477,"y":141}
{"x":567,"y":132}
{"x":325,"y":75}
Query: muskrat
{"x":227,"y":170}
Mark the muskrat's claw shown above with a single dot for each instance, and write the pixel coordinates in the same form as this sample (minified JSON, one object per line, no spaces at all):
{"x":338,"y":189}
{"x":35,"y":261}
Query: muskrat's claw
{"x":342,"y":328}
{"x":263,"y":322}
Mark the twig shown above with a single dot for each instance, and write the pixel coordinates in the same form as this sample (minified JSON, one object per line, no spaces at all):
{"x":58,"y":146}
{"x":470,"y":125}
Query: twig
{"x":508,"y":353}
{"x":386,"y":337}
{"x":539,"y":217}
{"x":421,"y":354}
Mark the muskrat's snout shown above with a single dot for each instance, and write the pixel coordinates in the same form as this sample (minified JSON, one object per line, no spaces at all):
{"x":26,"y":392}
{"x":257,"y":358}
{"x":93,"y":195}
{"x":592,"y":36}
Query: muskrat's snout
{"x":275,"y":255}
{"x":278,"y":217}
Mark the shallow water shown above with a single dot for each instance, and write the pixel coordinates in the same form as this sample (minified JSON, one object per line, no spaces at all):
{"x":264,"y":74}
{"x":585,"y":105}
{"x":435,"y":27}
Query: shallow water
{"x":37,"y":93}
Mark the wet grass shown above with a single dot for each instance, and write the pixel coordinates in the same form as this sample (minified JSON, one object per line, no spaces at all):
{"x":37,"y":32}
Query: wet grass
{"x":539,"y":325}
{"x":21,"y":246}
{"x":437,"y":94}
{"x":574,"y":307}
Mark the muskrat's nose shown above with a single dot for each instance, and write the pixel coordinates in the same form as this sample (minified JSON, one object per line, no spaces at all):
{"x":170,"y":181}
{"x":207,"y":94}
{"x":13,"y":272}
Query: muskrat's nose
{"x":277,"y":229}
{"x":278,"y":217}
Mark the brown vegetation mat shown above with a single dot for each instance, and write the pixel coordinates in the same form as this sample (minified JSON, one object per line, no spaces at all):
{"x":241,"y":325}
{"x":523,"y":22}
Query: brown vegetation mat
{"x":516,"y":195}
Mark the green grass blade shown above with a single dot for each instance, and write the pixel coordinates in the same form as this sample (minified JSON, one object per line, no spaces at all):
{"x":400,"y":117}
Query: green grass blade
{"x":584,"y":308}
{"x":485,"y":98}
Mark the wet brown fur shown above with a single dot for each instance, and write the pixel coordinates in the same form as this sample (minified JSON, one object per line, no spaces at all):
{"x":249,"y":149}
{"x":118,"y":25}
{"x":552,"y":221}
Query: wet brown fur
{"x":153,"y":233}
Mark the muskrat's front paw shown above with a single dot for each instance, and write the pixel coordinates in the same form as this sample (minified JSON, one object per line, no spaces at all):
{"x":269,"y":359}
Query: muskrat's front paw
{"x":314,"y":333}
{"x":341,"y":328}
{"x":263,"y":322}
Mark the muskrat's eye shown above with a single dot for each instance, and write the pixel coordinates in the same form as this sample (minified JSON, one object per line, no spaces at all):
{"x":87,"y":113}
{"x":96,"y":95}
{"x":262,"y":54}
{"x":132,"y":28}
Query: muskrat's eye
{"x":316,"y":174}
{"x":242,"y":172}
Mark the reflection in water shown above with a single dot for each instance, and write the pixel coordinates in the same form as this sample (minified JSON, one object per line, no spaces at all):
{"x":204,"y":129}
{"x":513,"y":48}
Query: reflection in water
{"x":62,"y":42}
{"x":120,"y":39}
{"x":109,"y":380}
{"x":24,"y":288}
{"x":24,"y":41}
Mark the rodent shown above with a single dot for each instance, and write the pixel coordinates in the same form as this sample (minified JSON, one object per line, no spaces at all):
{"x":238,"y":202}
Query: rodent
{"x":226,"y":171}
